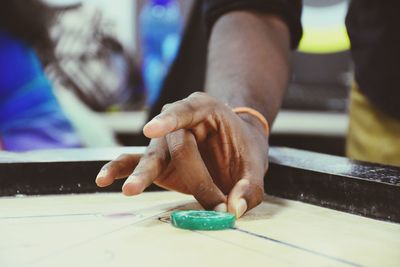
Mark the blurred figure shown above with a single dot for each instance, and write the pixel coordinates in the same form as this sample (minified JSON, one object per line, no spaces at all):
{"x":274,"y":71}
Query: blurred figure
{"x":374,"y":130}
{"x":30,"y":116}
{"x":92,"y":71}
{"x":91,"y":61}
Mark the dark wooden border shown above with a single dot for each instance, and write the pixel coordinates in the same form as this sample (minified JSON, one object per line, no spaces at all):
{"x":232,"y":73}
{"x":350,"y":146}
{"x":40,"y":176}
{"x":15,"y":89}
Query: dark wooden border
{"x":366,"y":189}
{"x":361,"y":188}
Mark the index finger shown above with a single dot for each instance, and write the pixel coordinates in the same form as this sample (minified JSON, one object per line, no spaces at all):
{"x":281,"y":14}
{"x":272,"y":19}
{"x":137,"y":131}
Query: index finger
{"x":183,"y":114}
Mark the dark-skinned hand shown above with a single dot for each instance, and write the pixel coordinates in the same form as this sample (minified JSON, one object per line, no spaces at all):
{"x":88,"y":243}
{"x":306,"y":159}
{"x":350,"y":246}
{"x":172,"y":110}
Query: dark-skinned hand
{"x":199,"y":146}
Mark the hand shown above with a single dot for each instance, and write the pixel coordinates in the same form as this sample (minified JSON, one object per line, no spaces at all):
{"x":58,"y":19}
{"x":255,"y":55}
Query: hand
{"x":199,"y":147}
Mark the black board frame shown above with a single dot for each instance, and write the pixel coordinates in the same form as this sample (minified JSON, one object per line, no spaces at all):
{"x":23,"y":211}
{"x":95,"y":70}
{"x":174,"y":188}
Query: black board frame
{"x":361,"y":188}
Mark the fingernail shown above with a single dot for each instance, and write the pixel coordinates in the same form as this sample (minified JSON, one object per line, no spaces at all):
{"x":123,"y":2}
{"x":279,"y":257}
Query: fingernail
{"x":155,"y":120}
{"x":241,"y":207}
{"x":131,"y":178}
{"x":151,"y":127}
{"x":221,"y":207}
{"x":103,"y":173}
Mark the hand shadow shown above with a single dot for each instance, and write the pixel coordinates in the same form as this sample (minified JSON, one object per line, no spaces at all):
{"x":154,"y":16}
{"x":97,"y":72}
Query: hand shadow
{"x":266,"y":210}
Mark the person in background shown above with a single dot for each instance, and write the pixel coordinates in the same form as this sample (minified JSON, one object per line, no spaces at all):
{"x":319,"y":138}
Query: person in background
{"x":214,"y":145}
{"x":30,"y":116}
{"x":92,"y":61}
{"x":374,"y":129}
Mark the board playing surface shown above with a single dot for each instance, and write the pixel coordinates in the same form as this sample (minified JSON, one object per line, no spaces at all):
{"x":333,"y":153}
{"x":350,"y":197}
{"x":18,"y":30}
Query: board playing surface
{"x":108,"y":229}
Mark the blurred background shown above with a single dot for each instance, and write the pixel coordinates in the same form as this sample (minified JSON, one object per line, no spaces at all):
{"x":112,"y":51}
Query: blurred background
{"x":105,"y":70}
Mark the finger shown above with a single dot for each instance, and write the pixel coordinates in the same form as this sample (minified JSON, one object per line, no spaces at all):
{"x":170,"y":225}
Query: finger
{"x":244,"y":196}
{"x":152,"y":164}
{"x":117,"y":169}
{"x":201,"y":132}
{"x":182,"y":114}
{"x":190,"y":167}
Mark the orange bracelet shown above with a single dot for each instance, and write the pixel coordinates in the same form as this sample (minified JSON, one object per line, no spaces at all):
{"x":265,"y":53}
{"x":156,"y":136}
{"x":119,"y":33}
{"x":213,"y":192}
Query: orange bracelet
{"x":256,"y":114}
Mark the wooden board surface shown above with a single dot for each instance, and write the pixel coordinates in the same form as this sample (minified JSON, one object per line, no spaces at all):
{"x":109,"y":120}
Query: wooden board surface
{"x":108,"y":229}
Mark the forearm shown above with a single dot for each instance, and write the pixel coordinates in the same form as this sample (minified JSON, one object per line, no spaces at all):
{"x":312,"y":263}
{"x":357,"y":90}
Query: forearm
{"x":248,"y":61}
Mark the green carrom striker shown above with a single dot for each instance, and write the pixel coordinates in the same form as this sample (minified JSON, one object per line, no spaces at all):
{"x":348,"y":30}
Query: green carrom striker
{"x":202,"y":220}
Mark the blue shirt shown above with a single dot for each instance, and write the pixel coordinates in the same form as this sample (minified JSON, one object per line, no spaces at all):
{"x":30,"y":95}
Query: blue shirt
{"x":30,"y":116}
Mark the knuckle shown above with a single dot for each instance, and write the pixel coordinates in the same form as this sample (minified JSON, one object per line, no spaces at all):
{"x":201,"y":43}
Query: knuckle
{"x":203,"y":98}
{"x":123,"y":157}
{"x":152,"y":156}
{"x":198,"y":94}
{"x":189,"y":106}
{"x":166,"y":107}
{"x":215,"y":116}
{"x":178,"y":151}
{"x":156,"y":159}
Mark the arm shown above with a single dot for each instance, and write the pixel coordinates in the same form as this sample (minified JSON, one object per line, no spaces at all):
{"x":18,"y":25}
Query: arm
{"x":199,"y":146}
{"x":248,"y":61}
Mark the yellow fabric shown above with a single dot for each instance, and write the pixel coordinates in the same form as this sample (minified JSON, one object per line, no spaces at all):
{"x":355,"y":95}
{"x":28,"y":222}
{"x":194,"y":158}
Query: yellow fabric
{"x":323,"y":40}
{"x":373,"y":136}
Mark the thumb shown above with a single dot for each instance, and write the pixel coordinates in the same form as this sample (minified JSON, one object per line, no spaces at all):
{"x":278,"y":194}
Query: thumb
{"x":245,"y":195}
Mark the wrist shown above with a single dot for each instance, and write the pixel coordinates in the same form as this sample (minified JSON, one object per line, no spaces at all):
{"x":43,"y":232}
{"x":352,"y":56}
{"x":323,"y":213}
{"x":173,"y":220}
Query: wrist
{"x":255,"y":114}
{"x":254,"y":123}
{"x":257,"y":133}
